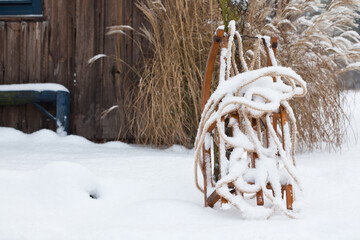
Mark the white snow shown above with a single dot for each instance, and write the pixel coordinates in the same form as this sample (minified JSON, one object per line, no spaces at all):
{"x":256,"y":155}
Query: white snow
{"x":145,"y":193}
{"x":354,"y":65}
{"x":39,"y":87}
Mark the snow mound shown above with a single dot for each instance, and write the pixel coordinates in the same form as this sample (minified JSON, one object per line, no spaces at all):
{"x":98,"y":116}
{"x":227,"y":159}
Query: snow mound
{"x":41,"y":136}
{"x":57,"y":183}
{"x":66,"y":178}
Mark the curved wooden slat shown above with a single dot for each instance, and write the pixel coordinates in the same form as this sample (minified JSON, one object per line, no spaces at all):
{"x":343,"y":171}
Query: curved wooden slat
{"x":210,"y":66}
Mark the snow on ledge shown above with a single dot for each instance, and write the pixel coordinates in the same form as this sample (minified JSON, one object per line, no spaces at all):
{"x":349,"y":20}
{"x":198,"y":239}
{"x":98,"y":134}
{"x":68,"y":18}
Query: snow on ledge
{"x":39,"y":87}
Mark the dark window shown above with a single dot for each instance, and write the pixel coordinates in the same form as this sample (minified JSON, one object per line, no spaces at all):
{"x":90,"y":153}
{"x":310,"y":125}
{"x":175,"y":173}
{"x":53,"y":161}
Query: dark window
{"x":20,"y":7}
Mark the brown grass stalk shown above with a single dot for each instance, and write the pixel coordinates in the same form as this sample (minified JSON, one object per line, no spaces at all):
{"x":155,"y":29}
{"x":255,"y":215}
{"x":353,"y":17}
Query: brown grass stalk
{"x":164,"y":104}
{"x":317,"y":53}
{"x":166,"y":100}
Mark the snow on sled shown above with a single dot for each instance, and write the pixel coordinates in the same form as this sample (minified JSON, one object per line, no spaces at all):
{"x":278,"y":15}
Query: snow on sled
{"x":245,"y":144}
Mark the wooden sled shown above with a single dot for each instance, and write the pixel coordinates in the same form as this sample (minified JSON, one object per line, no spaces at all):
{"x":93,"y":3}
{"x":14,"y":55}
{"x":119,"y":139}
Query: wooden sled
{"x":209,"y":165}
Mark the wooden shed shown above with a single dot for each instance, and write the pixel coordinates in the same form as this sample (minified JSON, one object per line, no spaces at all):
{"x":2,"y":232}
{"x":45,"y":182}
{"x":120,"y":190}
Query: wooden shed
{"x":55,"y":46}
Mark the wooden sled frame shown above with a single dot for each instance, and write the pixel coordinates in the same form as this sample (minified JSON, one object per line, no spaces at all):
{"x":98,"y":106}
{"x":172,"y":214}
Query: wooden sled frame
{"x":220,"y":40}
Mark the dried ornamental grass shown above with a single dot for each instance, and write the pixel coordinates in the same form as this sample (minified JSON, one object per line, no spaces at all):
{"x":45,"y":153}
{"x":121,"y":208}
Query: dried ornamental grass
{"x":315,"y":40}
{"x":168,"y":98}
{"x":319,"y":43}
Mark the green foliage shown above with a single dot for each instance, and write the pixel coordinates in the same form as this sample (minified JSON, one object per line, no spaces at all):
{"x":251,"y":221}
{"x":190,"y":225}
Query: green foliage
{"x":231,"y":10}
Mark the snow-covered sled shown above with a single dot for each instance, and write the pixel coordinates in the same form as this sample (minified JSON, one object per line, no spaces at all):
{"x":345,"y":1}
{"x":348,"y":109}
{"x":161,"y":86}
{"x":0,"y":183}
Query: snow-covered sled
{"x":245,"y":145}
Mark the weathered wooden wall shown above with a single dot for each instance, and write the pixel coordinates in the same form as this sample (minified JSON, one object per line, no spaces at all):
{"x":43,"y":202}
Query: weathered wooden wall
{"x":56,"y":48}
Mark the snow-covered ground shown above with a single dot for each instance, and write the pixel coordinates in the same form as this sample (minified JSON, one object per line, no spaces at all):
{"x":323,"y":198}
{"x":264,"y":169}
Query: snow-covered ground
{"x":145,"y":193}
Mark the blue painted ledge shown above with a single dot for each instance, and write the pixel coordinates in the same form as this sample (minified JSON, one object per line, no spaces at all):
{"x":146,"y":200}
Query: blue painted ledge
{"x":16,"y":94}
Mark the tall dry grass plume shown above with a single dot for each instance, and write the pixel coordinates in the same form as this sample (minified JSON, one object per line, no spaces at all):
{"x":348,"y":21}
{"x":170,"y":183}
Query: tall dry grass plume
{"x":316,"y":40}
{"x":166,"y":103}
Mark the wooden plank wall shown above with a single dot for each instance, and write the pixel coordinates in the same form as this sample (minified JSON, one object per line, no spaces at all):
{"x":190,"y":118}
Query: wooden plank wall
{"x":56,"y":49}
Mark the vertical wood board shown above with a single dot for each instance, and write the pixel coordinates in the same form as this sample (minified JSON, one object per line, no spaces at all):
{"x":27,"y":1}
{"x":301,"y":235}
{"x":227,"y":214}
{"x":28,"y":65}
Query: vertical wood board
{"x":56,"y":48}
